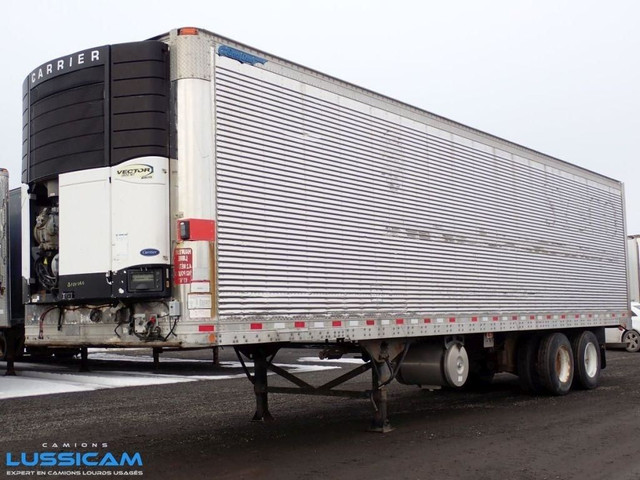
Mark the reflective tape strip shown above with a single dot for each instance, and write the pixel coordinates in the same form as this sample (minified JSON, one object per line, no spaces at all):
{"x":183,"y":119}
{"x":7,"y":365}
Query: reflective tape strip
{"x":460,"y":321}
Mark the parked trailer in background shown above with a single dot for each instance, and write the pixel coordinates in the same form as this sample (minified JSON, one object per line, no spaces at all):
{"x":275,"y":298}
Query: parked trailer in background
{"x":11,"y":308}
{"x":633,"y":257}
{"x":628,"y":336}
{"x":190,"y":191}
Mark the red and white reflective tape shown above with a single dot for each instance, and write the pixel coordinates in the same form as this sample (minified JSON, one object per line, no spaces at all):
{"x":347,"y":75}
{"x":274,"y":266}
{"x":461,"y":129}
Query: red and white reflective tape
{"x":442,"y":320}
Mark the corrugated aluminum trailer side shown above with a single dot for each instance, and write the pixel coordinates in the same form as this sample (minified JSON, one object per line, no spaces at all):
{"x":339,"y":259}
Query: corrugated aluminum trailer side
{"x":342,"y":214}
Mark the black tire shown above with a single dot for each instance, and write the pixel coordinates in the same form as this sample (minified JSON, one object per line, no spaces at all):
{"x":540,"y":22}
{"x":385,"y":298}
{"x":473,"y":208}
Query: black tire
{"x":632,"y":339}
{"x":586,"y":360}
{"x":555,"y":364}
{"x":527,"y":360}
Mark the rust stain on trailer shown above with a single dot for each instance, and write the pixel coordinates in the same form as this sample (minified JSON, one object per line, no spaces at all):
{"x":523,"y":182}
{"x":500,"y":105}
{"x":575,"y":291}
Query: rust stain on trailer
{"x":213,"y":276}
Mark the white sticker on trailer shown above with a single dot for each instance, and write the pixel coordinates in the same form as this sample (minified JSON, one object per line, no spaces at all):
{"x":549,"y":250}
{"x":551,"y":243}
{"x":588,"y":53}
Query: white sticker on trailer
{"x":200,"y":287}
{"x":120,"y":246}
{"x":198,"y":300}
{"x":200,"y":313}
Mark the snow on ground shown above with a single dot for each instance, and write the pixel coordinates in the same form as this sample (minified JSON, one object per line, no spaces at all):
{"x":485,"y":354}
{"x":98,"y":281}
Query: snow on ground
{"x":356,"y":361}
{"x":46,"y":379}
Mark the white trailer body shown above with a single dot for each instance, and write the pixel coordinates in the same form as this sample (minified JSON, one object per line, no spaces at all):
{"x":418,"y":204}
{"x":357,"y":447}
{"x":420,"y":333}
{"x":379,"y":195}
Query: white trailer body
{"x":316,"y":211}
{"x":345,"y":215}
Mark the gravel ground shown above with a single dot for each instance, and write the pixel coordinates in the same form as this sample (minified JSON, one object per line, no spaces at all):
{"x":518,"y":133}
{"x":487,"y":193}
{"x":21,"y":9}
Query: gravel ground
{"x":201,"y":430}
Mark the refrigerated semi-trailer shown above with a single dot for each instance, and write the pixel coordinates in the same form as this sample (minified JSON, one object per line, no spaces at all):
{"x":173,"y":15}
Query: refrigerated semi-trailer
{"x":11,"y":306}
{"x":191,"y":191}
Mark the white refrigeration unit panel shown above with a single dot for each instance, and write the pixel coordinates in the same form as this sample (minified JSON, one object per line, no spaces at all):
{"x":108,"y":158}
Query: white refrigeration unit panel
{"x":140,"y":212}
{"x":85,"y":222}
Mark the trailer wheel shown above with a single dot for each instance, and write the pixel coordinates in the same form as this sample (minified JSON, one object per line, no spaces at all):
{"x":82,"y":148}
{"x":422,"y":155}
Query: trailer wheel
{"x":555,"y":364}
{"x":632,"y":339}
{"x":586,"y":358}
{"x":527,"y":359}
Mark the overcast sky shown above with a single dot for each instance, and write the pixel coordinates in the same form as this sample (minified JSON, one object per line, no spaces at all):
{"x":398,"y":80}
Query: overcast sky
{"x":561,"y":77}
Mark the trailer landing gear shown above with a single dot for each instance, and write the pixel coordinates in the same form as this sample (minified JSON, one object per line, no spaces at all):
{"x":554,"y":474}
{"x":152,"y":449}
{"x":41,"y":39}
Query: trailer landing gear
{"x":260,"y":386}
{"x":11,"y":346}
{"x":216,"y":356}
{"x":380,"y":422}
{"x":263,"y":356}
{"x":84,"y":359}
{"x":156,"y":358}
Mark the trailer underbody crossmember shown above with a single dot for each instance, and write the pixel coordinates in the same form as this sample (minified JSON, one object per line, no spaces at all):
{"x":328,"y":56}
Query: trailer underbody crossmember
{"x":263,"y":356}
